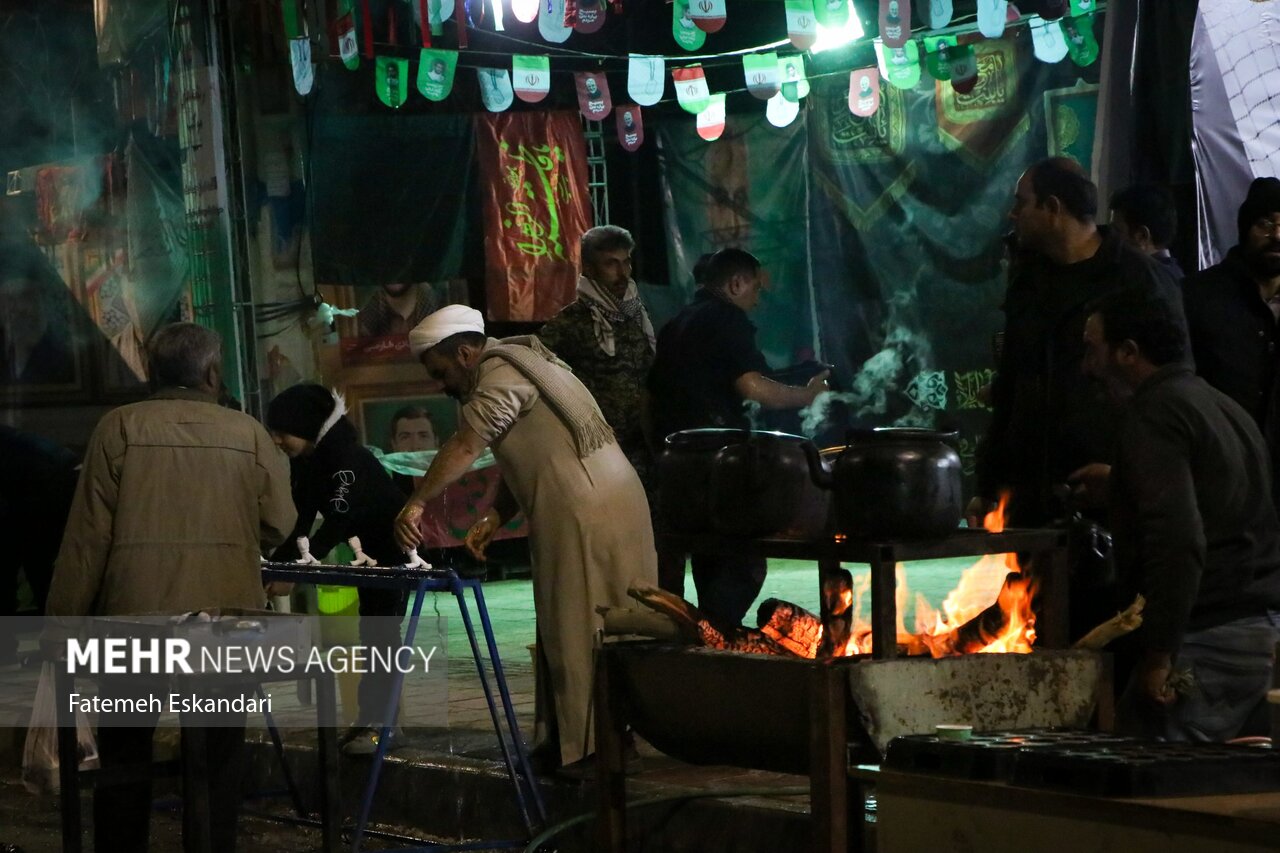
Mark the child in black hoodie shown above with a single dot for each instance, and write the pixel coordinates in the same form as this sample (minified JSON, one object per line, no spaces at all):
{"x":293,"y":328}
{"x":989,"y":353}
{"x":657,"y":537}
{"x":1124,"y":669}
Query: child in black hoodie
{"x":336,"y":476}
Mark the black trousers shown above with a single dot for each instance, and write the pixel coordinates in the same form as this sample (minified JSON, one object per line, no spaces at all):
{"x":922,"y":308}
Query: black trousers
{"x":727,"y":586}
{"x":122,"y":812}
{"x":381,"y":611}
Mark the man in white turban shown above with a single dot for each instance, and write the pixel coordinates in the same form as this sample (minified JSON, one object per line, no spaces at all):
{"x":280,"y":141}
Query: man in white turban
{"x":589,"y":529}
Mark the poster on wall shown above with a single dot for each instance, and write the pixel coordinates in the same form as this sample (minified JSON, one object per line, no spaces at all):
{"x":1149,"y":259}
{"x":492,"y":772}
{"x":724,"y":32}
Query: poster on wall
{"x":379,"y":333}
{"x":536,"y":207}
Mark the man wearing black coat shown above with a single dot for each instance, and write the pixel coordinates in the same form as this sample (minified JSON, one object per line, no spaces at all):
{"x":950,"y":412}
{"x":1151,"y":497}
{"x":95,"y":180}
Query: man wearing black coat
{"x":1232,"y":308}
{"x":1049,"y":419}
{"x":1196,"y":531}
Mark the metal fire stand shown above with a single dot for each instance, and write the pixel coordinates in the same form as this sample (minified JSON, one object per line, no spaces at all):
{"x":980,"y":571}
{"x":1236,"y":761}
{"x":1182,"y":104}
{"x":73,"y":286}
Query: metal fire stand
{"x":420,"y":582}
{"x":829,"y":790}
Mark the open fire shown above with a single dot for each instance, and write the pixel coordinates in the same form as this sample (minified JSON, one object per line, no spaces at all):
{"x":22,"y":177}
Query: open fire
{"x":990,"y":609}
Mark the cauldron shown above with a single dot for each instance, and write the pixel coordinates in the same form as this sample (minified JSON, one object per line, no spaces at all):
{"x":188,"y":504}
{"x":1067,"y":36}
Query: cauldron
{"x":896,"y":483}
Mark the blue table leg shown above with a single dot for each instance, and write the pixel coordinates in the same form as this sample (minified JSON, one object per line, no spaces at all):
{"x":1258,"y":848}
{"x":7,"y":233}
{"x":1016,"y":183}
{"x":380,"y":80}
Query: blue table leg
{"x":279,"y":748}
{"x":459,"y":593}
{"x":389,"y":717}
{"x":522,"y":755}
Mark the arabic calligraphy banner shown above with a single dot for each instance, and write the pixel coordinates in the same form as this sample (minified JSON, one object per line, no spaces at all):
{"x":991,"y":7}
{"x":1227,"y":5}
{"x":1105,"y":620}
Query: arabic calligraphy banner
{"x":534,"y":194}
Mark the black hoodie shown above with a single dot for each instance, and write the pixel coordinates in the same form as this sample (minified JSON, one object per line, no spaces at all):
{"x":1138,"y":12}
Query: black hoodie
{"x":344,"y":482}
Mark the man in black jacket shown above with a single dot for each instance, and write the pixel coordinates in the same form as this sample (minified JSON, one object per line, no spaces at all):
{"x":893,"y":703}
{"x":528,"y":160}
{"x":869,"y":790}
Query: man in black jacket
{"x":334,"y":475}
{"x":1232,"y":308}
{"x":1196,"y":531}
{"x":1049,"y":420}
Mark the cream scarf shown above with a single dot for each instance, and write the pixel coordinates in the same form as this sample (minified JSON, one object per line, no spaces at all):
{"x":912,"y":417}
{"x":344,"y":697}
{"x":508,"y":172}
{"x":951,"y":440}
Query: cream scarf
{"x":608,"y":311}
{"x":570,"y":400}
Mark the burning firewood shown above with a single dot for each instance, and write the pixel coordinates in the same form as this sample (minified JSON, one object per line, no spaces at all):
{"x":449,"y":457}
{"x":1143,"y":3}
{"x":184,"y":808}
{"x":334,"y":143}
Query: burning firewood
{"x":619,"y":621}
{"x":1130,"y":619}
{"x":697,"y":629}
{"x":981,"y":630}
{"x":793,"y":627}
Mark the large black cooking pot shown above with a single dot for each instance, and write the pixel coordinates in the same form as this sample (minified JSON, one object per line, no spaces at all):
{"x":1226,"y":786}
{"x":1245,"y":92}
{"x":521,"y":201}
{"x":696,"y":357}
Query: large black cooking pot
{"x":896,"y":483}
{"x":746,"y":483}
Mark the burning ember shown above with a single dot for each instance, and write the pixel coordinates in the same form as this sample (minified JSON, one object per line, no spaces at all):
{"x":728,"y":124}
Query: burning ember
{"x":990,"y":610}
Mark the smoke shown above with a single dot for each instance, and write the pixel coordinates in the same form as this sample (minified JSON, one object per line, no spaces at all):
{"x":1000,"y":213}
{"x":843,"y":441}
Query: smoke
{"x":882,"y":384}
{"x":754,"y":412}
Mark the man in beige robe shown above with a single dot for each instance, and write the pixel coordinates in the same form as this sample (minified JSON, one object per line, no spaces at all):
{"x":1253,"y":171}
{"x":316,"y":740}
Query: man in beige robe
{"x":589,"y":530}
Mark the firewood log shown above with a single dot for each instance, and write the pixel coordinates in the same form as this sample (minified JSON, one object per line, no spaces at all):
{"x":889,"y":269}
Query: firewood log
{"x":978,"y":631}
{"x":696,"y":628}
{"x":791,"y":626}
{"x":1130,"y":619}
{"x":645,"y":623}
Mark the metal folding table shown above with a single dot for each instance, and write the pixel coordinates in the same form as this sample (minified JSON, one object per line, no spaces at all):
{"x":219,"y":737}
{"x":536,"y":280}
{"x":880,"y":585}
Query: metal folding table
{"x":420,"y":582}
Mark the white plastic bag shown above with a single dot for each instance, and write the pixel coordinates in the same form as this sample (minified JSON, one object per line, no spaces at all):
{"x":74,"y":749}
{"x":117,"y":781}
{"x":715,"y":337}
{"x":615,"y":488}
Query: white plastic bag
{"x":40,"y":755}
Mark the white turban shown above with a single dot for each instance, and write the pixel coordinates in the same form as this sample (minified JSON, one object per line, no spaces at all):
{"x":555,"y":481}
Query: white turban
{"x":448,"y":321}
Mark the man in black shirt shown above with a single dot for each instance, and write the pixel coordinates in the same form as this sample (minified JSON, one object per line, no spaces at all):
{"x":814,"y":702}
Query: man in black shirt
{"x":1049,"y":421}
{"x":707,"y":368}
{"x":1232,"y":309}
{"x":1196,"y":531}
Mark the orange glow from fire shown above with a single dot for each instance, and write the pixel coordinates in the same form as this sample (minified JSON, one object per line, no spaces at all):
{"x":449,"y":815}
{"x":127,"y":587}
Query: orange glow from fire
{"x":995,"y":578}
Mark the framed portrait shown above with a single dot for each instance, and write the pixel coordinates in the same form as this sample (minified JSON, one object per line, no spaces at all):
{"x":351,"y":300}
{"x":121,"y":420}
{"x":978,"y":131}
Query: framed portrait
{"x":44,"y":338}
{"x":379,"y":334}
{"x":405,"y":423}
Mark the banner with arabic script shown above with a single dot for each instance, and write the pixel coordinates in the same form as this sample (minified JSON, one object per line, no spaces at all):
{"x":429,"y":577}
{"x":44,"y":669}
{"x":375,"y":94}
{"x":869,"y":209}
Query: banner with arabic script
{"x":533,"y":170}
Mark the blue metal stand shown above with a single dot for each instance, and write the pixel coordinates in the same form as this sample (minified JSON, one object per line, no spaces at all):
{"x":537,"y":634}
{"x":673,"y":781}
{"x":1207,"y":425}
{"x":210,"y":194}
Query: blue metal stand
{"x":533,"y":811}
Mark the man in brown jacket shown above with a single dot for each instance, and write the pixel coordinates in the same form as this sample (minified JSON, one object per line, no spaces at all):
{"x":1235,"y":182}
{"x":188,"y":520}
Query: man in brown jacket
{"x":177,"y":500}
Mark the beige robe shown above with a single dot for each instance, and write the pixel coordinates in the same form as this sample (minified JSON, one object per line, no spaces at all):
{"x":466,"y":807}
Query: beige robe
{"x":589,"y":533}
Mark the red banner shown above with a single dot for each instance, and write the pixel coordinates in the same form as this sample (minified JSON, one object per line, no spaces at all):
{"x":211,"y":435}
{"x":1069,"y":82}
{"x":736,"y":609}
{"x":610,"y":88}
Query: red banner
{"x":533,"y":169}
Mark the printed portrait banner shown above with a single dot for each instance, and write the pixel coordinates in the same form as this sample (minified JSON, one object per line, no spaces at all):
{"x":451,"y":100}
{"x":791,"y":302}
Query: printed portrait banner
{"x":436,"y":69}
{"x":391,"y":80}
{"x":536,"y":207}
{"x":832,"y":13}
{"x":683,"y":29}
{"x":1081,"y":42}
{"x":594,"y":100}
{"x":646,"y":78}
{"x":793,"y":82}
{"x":761,"y":72}
{"x":802,"y":24}
{"x":531,"y":76}
{"x":899,"y":65}
{"x":895,"y":22}
{"x":864,"y":91}
{"x":630,"y":126}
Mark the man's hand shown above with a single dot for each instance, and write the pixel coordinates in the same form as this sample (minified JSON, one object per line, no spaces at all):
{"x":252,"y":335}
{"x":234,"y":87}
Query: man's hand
{"x":817,"y":385}
{"x":1153,"y":678}
{"x":406,"y":527}
{"x":279,"y":588}
{"x":482,"y":533}
{"x":1089,"y":484}
{"x":976,"y":512}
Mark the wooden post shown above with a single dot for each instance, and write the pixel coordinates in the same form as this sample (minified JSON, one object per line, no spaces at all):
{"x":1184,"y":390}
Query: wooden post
{"x":829,"y":759}
{"x":611,"y":775}
{"x":884,"y":604}
{"x":1050,"y":569}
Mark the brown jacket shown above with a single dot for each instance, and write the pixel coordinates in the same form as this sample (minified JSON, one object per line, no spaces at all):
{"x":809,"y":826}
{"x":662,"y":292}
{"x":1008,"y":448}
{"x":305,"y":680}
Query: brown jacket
{"x":176,"y":502}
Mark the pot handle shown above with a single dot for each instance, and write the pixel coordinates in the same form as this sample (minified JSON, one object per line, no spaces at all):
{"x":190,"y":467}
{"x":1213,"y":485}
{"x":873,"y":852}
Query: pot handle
{"x":821,"y":476}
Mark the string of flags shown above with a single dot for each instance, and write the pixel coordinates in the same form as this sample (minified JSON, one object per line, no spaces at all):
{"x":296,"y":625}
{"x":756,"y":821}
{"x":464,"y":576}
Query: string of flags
{"x":1058,"y":29}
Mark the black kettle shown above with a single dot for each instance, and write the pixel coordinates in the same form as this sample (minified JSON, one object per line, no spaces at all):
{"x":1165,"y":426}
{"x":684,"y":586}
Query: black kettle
{"x":896,"y":483}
